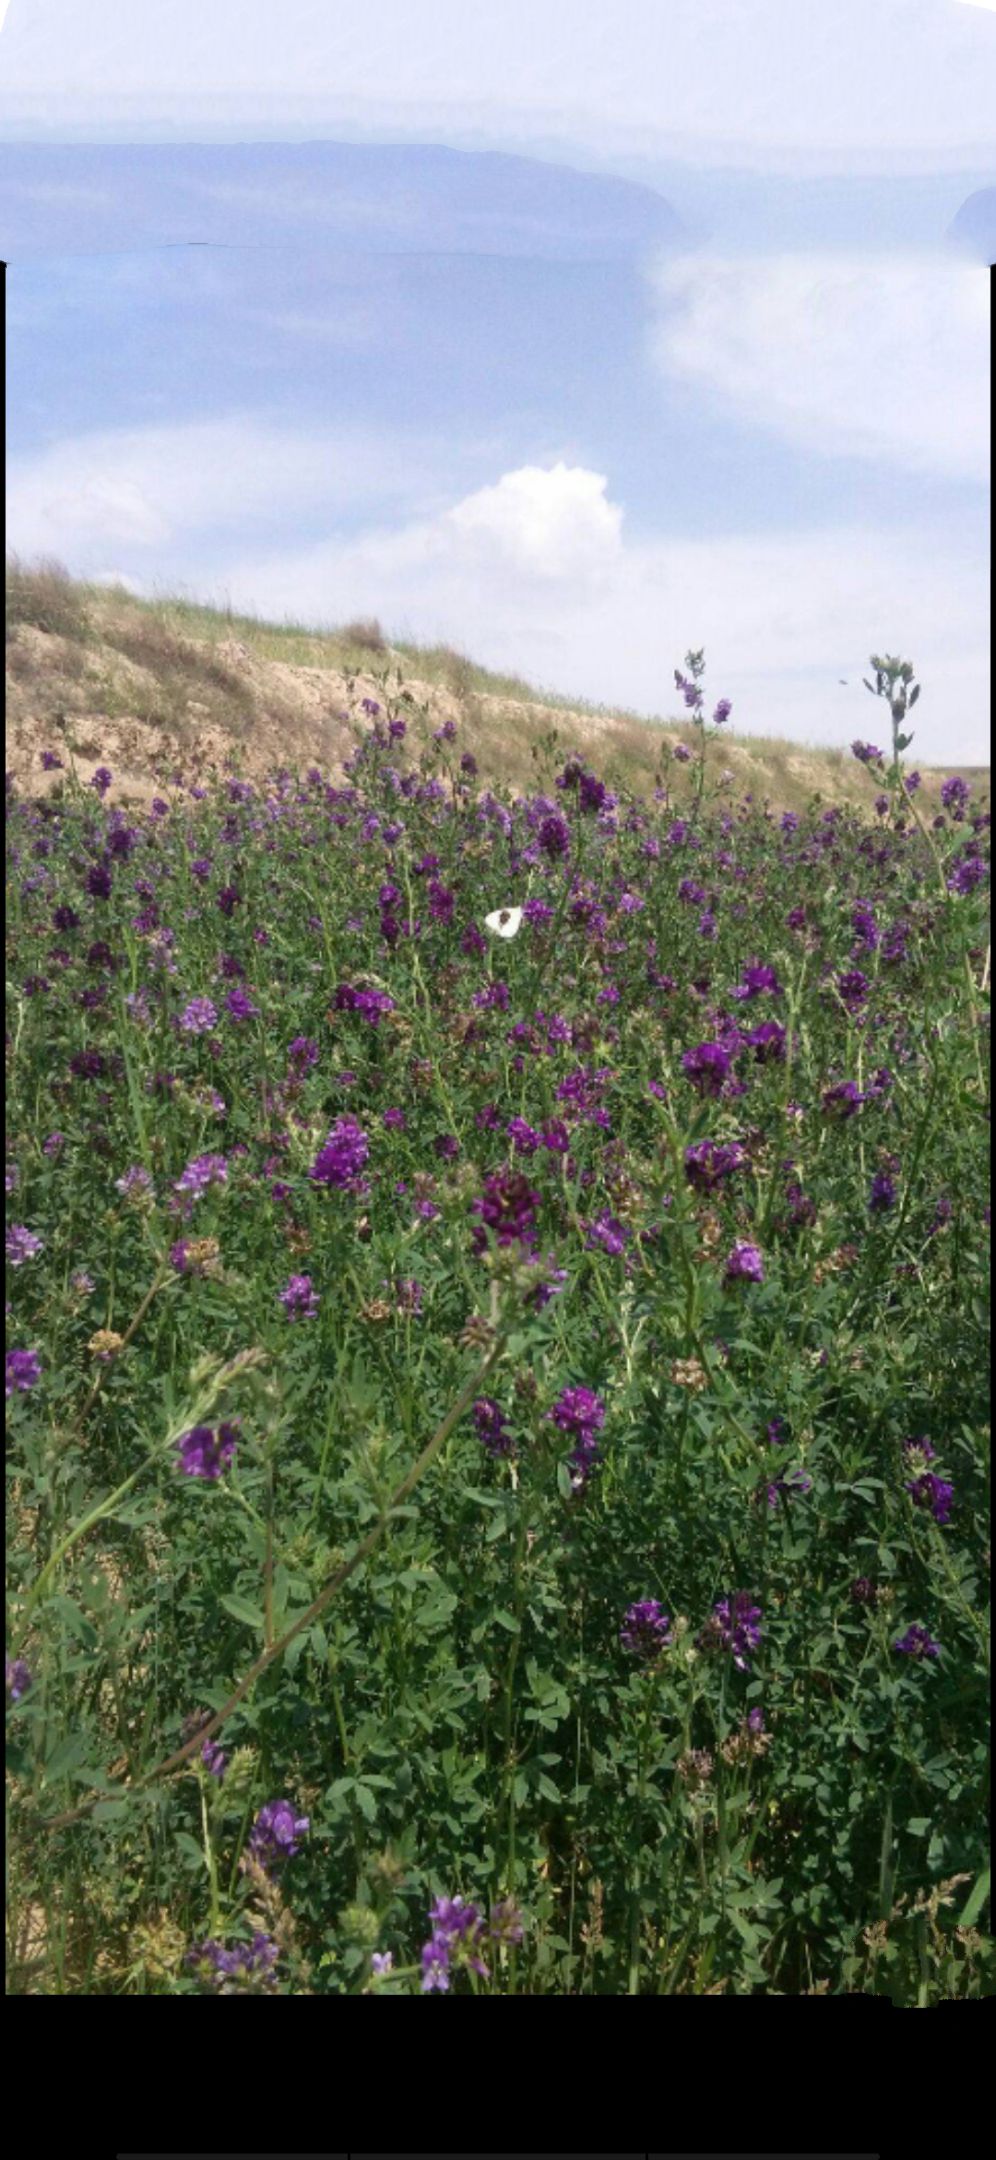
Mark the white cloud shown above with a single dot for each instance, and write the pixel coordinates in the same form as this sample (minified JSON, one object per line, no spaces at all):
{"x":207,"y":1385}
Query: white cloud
{"x":551,"y":523}
{"x":155,"y":485}
{"x":842,"y":354}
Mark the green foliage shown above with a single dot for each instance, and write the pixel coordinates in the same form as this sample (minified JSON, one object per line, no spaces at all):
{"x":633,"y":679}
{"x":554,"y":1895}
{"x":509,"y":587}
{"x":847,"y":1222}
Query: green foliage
{"x":414,"y":1641}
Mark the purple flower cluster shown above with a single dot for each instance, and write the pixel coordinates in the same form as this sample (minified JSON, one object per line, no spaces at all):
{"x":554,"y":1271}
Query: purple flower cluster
{"x":23,"y":1370}
{"x":744,"y":1264}
{"x":734,"y":1625}
{"x":928,"y":1490}
{"x":492,"y":1431}
{"x":646,"y":1628}
{"x":707,"y":1162}
{"x":244,"y":1962}
{"x":22,"y":1244}
{"x":206,"y":1454}
{"x":18,"y":1678}
{"x":343,"y":1155}
{"x":581,"y":1413}
{"x":298,"y":1298}
{"x":508,"y":1207}
{"x":916,"y":1643}
{"x":707,"y":1066}
{"x":276,"y":1832}
{"x":460,"y":1934}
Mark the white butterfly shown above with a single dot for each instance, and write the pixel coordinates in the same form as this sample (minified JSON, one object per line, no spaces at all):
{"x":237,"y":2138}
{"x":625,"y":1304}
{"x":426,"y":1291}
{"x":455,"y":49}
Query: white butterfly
{"x":505,"y":921}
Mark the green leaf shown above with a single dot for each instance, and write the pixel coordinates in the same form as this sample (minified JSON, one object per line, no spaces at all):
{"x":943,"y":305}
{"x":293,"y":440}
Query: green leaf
{"x":66,"y":1756}
{"x":240,"y":1609}
{"x":975,"y":1900}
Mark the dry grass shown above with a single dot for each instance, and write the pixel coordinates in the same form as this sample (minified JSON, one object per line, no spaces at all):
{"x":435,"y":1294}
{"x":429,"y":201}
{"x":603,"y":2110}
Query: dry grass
{"x":44,"y":595}
{"x":182,"y":669}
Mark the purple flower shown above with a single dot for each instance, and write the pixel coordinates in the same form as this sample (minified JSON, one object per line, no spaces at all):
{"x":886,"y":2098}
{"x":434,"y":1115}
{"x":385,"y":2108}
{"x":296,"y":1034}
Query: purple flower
{"x":744,"y":1263}
{"x":23,"y":1370}
{"x":298,"y":1298}
{"x":51,"y":763}
{"x":757,"y":979}
{"x":228,"y":899}
{"x":98,"y":882}
{"x":234,"y":1971}
{"x":101,"y":780}
{"x":213,"y":1759}
{"x":491,"y":1428}
{"x":22,"y":1244}
{"x":733,"y":1625}
{"x":722,"y":712}
{"x":767,"y":1040}
{"x":303,"y":1052}
{"x":916,"y":1643}
{"x":508,"y":1207}
{"x":708,"y":1161}
{"x":343,"y":1155}
{"x":933,"y":1492}
{"x":457,"y":1933}
{"x":136,"y":1180}
{"x":883,"y":1192}
{"x":554,"y":836}
{"x":276,"y":1831}
{"x":707,"y":1067}
{"x":864,"y":1591}
{"x":852,"y":988}
{"x":381,"y":1962}
{"x":199,"y":1017}
{"x":843,"y":1100}
{"x":240,"y":1005}
{"x":578,"y":1411}
{"x":646,"y":1628}
{"x":954,"y":795}
{"x":202,"y":1171}
{"x":203,"y":1455}
{"x":18,"y":1678}
{"x":866,"y":752}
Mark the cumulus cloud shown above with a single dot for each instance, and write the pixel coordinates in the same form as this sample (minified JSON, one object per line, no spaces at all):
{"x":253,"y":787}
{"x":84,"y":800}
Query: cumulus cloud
{"x":840,"y":354}
{"x":552,"y":523}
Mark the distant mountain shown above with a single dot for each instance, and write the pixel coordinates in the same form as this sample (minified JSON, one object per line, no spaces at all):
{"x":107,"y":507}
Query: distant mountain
{"x":352,"y":197}
{"x":973,"y":229}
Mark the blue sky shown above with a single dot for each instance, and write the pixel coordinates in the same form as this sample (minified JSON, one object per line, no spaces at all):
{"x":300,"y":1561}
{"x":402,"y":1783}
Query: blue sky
{"x":574,"y":345}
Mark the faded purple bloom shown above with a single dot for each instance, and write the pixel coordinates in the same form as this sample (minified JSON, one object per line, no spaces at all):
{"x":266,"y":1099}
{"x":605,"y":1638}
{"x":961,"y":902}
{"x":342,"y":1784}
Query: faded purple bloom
{"x":744,"y":1264}
{"x":505,"y":1922}
{"x":916,"y":1643}
{"x":203,"y":1455}
{"x":298,"y":1298}
{"x":245,"y":1969}
{"x":646,"y":1628}
{"x":199,"y":1017}
{"x":680,"y":751}
{"x":135,"y":1181}
{"x":381,"y":1962}
{"x":864,"y":1591}
{"x":22,"y":1244}
{"x":276,"y":1831}
{"x":394,"y":1118}
{"x":18,"y":1678}
{"x":213,"y":1759}
{"x":23,"y":1370}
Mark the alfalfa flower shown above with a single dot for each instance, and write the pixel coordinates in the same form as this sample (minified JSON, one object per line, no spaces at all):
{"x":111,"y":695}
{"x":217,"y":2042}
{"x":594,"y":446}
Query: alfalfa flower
{"x":504,"y":921}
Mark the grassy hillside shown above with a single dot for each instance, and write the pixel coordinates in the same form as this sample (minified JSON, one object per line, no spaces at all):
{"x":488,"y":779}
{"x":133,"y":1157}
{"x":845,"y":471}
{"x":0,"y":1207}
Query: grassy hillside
{"x":145,"y":685}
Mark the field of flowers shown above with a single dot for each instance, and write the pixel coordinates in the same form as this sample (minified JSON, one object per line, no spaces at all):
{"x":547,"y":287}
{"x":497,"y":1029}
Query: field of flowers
{"x":496,"y":1382}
